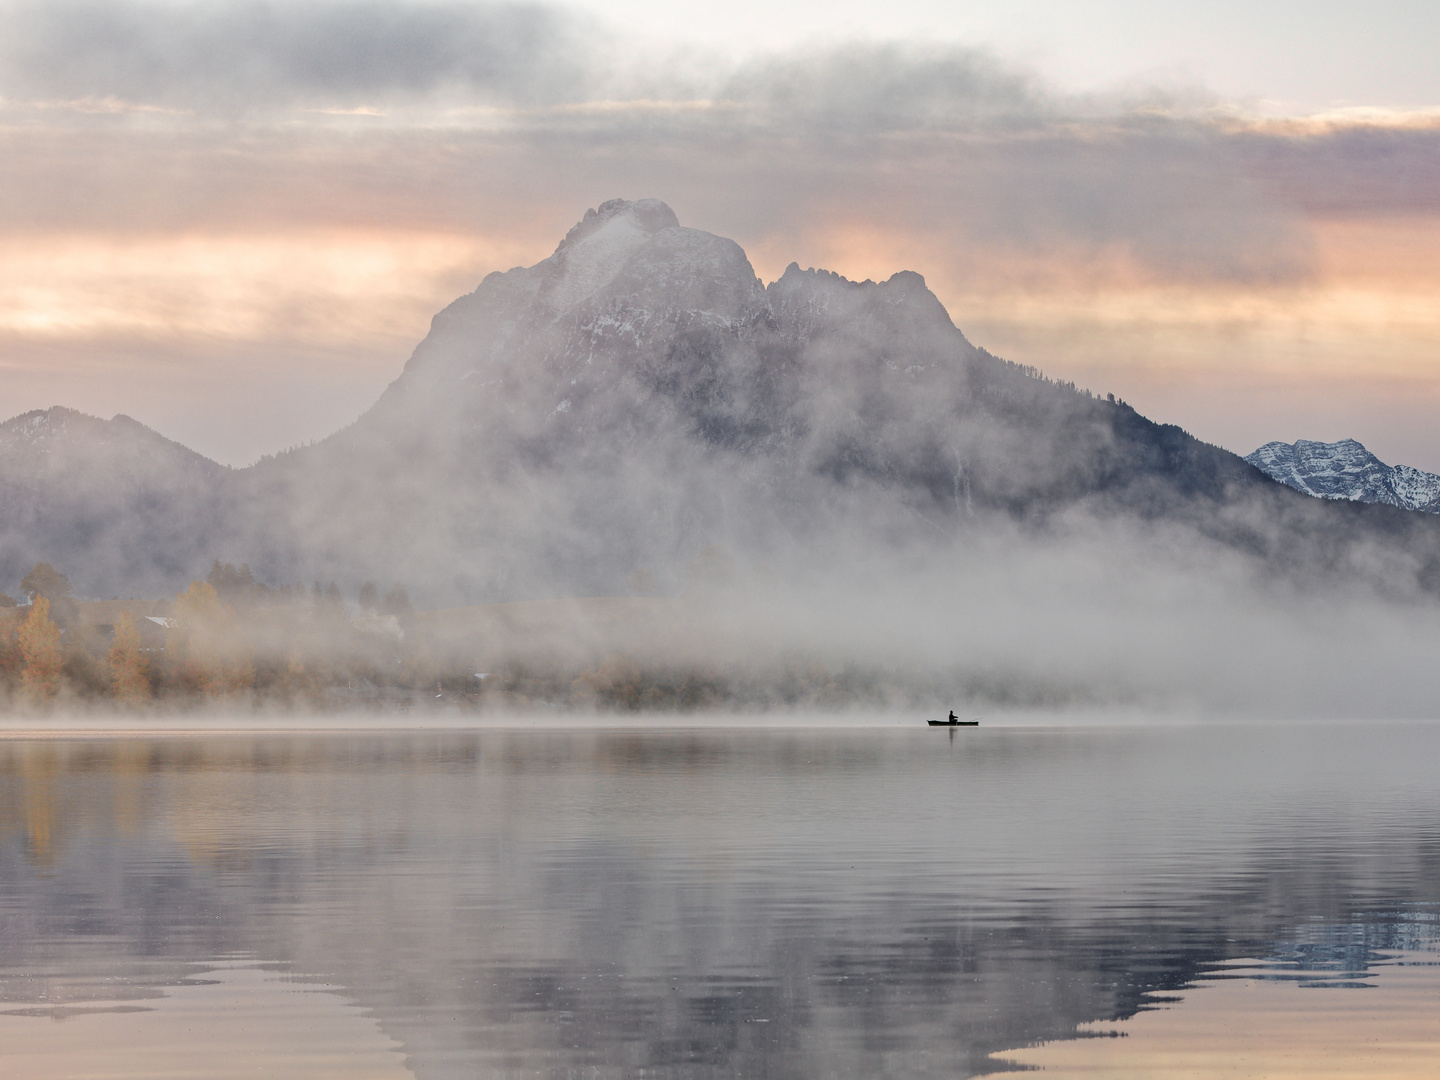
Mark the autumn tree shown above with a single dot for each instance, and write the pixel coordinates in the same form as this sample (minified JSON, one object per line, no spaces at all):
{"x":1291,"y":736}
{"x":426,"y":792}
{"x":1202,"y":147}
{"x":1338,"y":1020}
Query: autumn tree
{"x":11,"y":660}
{"x":369,"y":598}
{"x":40,"y":650}
{"x":207,"y":638}
{"x":128,"y":666}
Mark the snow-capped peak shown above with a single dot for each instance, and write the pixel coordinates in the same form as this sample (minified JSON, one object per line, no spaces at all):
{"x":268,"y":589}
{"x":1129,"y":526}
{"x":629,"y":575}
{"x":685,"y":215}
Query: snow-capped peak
{"x":1346,"y":470}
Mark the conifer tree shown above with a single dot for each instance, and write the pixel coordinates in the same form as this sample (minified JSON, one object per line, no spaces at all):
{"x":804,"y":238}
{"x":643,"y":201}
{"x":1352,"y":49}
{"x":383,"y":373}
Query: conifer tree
{"x":44,"y":580}
{"x":40,"y":649}
{"x":230,"y":584}
{"x":128,"y":665}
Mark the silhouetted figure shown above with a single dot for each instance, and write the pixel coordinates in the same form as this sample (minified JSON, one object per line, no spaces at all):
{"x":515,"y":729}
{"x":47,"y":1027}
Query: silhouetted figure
{"x":953,"y":718}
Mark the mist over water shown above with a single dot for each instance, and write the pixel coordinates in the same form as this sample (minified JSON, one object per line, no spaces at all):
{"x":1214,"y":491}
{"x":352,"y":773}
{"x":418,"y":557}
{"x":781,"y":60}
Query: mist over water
{"x":633,"y":476}
{"x":696,"y":903}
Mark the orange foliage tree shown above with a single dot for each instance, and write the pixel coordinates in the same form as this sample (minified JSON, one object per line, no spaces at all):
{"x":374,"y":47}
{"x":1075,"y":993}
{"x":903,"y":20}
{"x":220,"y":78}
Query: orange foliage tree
{"x":129,"y":668}
{"x":40,"y":649}
{"x":214,"y":655}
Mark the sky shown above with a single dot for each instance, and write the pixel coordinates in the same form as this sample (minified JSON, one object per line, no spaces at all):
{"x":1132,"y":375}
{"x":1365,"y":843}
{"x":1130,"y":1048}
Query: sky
{"x":233,"y":220}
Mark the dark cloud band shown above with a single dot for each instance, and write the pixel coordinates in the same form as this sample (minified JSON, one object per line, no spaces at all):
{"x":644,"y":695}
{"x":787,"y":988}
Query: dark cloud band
{"x":244,"y":53}
{"x":254,"y":56}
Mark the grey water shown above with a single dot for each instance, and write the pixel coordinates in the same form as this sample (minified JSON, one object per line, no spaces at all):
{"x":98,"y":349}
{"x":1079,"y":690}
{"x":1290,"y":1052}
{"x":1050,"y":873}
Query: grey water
{"x":700,"y":902}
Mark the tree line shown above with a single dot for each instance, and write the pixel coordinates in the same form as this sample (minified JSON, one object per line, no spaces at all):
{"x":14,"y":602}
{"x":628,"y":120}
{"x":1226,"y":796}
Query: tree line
{"x":231,"y":642}
{"x":227,"y":637}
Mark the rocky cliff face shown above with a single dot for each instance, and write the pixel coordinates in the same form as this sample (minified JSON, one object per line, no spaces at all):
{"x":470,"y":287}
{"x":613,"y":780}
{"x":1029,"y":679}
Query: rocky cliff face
{"x":1346,"y":470}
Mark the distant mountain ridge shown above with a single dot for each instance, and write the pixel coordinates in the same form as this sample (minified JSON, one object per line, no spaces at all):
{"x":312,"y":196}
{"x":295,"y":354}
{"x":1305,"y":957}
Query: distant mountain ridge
{"x":640,"y":395}
{"x":1346,"y":470}
{"x":135,"y":507}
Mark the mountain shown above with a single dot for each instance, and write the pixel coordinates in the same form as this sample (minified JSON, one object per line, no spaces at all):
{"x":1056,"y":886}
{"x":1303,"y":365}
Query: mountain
{"x":1346,"y":470}
{"x":124,"y":508}
{"x":640,"y":396}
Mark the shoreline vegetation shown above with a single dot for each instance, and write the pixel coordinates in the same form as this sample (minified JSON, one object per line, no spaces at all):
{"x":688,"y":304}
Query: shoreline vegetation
{"x":230,"y":643}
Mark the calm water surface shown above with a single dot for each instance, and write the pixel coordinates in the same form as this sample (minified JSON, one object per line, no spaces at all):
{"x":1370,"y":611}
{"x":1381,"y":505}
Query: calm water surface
{"x":704,"y":903}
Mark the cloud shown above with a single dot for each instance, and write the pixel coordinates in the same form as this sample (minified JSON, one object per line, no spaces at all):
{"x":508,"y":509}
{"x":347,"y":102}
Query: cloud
{"x":330,"y":56}
{"x":386,"y":108}
{"x":1179,"y":185}
{"x":1371,"y":165}
{"x":240,"y":54}
{"x":499,"y":124}
{"x":859,"y":88}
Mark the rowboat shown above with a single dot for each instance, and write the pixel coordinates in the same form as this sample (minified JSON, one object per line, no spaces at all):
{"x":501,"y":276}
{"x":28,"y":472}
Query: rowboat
{"x":953,"y":723}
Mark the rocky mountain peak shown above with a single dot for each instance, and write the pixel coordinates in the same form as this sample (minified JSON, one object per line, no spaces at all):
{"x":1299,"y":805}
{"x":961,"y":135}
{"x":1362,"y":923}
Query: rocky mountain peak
{"x":114,"y":489}
{"x":598,"y":248}
{"x":1347,"y":471}
{"x":626,"y":274}
{"x":899,"y":311}
{"x":648,"y":215}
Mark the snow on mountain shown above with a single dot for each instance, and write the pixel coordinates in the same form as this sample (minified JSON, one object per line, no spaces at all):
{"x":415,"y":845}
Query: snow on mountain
{"x":1416,"y":489}
{"x":1345,"y":470}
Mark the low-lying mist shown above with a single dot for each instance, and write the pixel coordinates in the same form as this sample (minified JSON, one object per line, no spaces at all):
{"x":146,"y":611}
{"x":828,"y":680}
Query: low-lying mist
{"x":1111,"y":614}
{"x":1106,"y":616}
{"x":635,"y":477}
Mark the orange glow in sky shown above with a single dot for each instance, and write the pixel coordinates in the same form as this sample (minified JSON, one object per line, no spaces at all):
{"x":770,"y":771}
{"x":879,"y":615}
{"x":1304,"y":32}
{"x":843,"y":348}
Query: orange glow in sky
{"x":1235,"y":363}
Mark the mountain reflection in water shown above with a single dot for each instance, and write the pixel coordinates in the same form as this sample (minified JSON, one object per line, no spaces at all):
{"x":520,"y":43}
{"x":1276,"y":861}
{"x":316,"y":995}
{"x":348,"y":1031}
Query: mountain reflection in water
{"x":700,"y":903}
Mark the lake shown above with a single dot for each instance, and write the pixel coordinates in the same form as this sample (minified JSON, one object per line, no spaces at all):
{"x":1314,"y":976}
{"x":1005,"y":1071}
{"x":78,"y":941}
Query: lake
{"x":702,"y":901}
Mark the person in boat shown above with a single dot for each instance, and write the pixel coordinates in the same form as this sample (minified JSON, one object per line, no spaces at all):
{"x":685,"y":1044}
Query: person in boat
{"x":953,"y":718}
